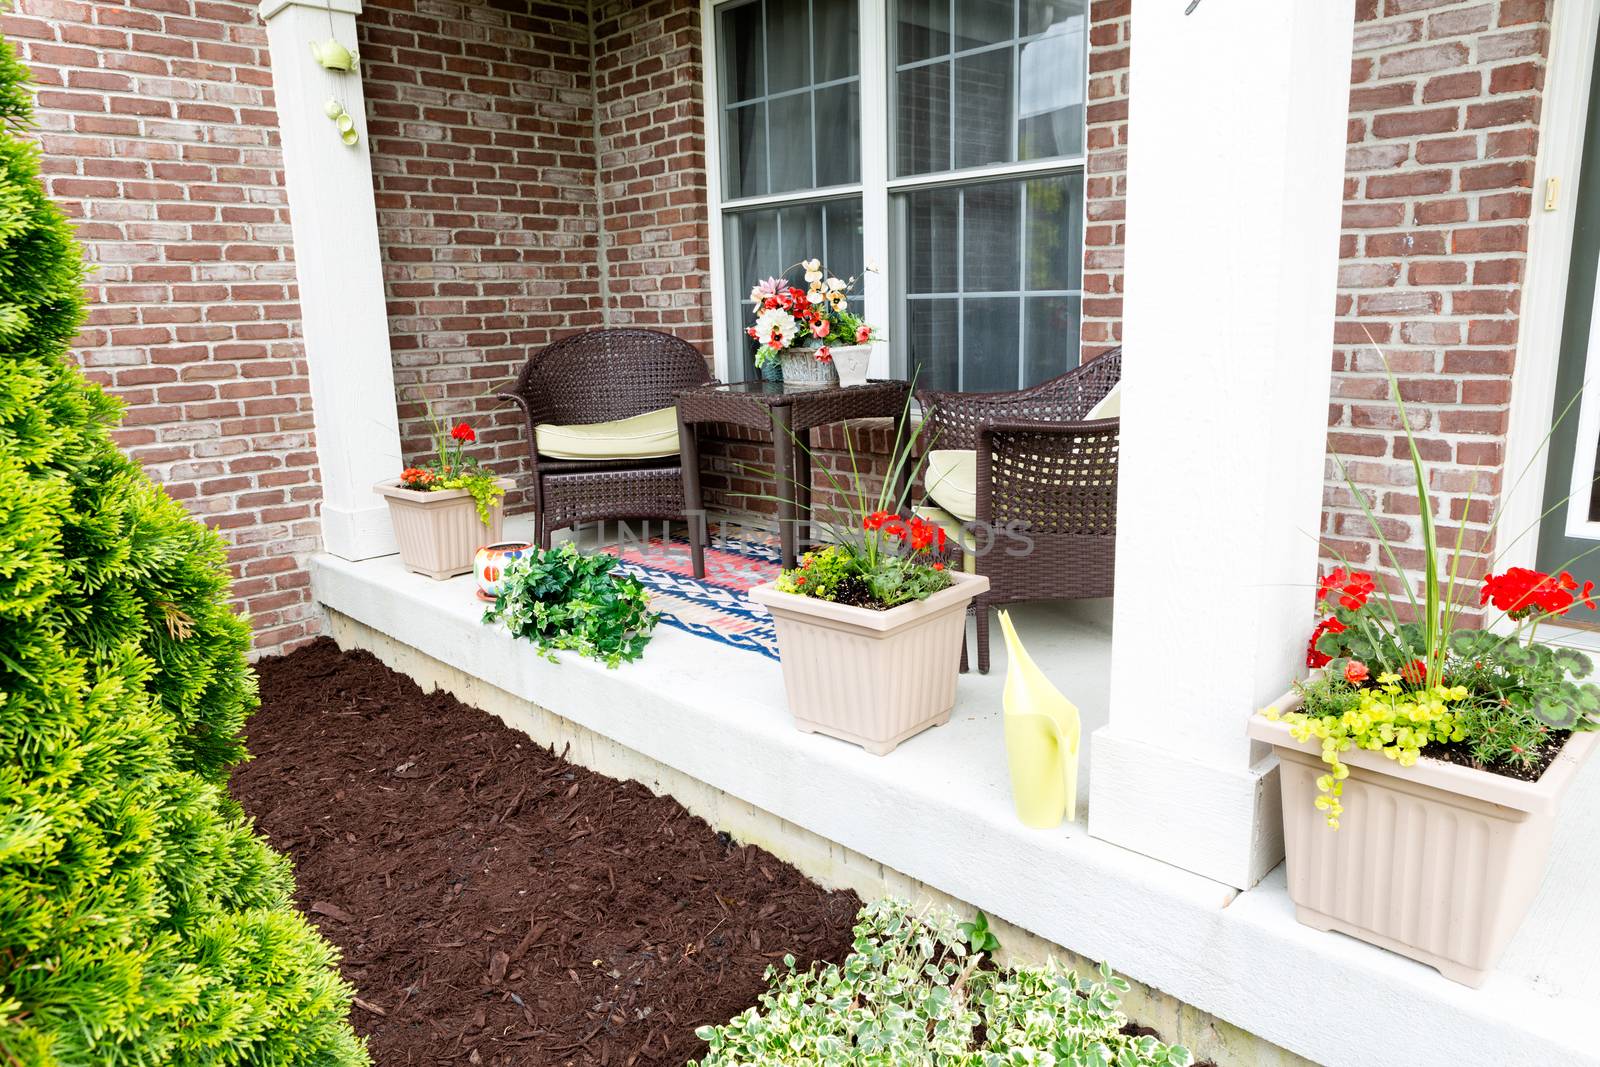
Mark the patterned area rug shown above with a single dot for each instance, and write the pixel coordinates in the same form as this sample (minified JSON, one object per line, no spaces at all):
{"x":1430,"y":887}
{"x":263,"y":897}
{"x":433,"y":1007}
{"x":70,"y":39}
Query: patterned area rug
{"x":713,"y":607}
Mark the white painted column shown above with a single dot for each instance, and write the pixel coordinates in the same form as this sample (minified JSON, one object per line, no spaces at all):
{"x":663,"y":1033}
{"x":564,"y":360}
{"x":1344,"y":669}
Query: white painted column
{"x":1235,"y":170}
{"x":340,"y":274}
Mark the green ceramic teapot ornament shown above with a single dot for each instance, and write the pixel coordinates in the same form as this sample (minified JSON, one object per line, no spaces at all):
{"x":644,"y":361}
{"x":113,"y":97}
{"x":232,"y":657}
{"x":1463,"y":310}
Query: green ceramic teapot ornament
{"x":333,"y":55}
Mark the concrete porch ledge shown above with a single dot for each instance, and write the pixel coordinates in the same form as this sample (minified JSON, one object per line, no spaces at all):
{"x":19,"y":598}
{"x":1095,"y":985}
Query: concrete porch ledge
{"x":939,"y":811}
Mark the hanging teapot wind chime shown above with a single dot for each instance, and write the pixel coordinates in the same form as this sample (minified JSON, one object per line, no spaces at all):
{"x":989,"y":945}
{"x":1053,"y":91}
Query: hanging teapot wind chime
{"x":336,"y":59}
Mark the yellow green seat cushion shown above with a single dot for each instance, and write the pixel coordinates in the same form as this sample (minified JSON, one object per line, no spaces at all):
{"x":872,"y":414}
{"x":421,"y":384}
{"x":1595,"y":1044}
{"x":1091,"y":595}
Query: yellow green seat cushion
{"x":649,"y":436}
{"x":952,"y":480}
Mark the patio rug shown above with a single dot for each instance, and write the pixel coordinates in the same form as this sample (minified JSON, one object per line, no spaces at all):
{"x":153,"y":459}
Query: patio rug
{"x":714,"y":607}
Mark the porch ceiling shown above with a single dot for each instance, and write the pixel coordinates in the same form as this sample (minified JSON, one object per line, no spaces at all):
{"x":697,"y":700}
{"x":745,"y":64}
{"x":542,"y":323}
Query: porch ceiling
{"x":939,"y":810}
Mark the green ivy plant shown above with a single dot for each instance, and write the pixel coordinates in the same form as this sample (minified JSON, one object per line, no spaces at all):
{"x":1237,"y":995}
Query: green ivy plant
{"x":562,"y":599}
{"x":912,"y":994}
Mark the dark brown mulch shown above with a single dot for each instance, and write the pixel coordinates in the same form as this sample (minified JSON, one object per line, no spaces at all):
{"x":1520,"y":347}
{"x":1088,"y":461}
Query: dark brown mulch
{"x":496,"y":904}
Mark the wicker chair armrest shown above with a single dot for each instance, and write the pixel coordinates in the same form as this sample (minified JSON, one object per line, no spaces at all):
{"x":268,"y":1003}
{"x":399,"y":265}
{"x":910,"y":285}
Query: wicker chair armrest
{"x":1032,"y":466}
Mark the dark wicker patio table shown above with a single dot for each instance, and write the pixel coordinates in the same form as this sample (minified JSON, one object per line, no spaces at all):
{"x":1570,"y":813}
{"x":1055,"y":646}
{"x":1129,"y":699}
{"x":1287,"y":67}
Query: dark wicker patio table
{"x":788,"y":413}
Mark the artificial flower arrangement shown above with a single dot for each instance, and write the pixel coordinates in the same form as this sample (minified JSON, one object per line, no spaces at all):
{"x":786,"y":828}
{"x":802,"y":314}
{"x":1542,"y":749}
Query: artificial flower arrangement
{"x":1405,"y":677}
{"x":452,"y":468}
{"x":787,"y":316}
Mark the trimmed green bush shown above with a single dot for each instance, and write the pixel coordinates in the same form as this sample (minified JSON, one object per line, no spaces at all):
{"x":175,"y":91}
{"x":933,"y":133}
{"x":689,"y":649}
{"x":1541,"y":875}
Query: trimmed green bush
{"x":142,"y":921}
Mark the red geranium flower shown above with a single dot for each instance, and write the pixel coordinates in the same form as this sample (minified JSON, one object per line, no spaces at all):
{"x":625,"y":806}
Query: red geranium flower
{"x":1521,"y":592}
{"x":463,"y":433}
{"x":1415,"y":672}
{"x":1330,"y":625}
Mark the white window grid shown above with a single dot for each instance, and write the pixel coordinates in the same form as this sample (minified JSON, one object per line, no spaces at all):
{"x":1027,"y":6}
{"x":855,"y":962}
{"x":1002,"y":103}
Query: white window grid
{"x":877,"y":187}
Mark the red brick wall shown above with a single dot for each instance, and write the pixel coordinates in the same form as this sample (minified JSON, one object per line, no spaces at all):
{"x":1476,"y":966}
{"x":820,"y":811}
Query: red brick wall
{"x":481,"y":124}
{"x":1106,"y":179}
{"x":651,"y":153}
{"x":159,"y":137}
{"x":1444,"y":112}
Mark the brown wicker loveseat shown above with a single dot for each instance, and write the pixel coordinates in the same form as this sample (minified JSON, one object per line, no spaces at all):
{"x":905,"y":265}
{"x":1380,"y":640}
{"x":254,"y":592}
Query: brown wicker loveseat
{"x":1041,"y":519}
{"x":596,"y":377}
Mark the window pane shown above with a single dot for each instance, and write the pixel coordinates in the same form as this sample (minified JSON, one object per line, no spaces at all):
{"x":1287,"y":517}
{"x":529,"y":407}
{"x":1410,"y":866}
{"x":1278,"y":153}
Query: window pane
{"x":990,"y":232}
{"x":790,"y":147}
{"x":1054,"y":233}
{"x":983,"y":109}
{"x":934,"y":348}
{"x":788,"y":46}
{"x":932,"y":227}
{"x":743,"y":72}
{"x":1039,"y":16}
{"x":990,"y":328}
{"x":1018,"y":90}
{"x":838,"y":154}
{"x":922,"y":123}
{"x":1013,"y":284}
{"x":842,"y":252}
{"x":1050,"y":100}
{"x":922,"y":28}
{"x":1050,"y":340}
{"x":744,"y":150}
{"x":838,"y":39}
{"x":981,"y":22}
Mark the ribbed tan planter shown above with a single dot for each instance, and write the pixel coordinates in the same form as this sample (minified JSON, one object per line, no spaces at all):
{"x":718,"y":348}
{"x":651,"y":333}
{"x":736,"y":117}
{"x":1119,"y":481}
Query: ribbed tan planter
{"x":439,"y":532}
{"x":1435,"y":861}
{"x":873,"y":678}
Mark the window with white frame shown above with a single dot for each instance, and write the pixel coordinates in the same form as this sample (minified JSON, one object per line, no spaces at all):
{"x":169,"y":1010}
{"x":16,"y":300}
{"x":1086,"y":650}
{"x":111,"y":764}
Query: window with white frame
{"x":947,"y":133}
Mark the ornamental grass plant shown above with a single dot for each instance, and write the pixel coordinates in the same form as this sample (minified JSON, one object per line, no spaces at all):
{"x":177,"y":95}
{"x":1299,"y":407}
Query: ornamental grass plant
{"x":1404,"y":674}
{"x":874,"y":557}
{"x":142,"y":920}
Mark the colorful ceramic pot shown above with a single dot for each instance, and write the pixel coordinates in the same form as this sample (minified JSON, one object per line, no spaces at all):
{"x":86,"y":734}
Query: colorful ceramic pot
{"x":490,"y":562}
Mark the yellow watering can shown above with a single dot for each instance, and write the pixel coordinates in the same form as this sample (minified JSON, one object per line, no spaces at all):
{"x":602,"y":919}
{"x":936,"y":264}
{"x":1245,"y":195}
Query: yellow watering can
{"x":1042,"y":733}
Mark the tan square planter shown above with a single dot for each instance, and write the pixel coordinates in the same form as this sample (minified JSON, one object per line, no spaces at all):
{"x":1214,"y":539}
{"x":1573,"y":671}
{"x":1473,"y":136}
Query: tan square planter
{"x":439,"y":532}
{"x":1435,"y":861}
{"x":873,"y":678}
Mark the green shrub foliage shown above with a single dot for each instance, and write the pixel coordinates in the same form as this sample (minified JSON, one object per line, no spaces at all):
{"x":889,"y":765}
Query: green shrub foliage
{"x":141,"y":919}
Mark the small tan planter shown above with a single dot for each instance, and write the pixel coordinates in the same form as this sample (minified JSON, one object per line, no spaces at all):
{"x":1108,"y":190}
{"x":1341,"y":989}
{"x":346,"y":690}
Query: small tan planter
{"x":438,"y":533}
{"x":1435,"y":861}
{"x":873,"y":678}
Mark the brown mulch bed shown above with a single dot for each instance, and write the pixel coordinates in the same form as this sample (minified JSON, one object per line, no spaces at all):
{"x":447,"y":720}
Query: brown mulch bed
{"x":496,"y":904}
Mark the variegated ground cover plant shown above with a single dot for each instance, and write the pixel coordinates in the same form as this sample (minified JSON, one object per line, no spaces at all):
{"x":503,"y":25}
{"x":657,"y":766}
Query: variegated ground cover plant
{"x":913,"y":993}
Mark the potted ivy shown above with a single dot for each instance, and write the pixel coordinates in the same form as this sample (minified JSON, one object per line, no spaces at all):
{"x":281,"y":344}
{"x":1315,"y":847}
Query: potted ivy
{"x":442,"y":510}
{"x":1423,"y":763}
{"x":870,"y":625}
{"x":810,"y":337}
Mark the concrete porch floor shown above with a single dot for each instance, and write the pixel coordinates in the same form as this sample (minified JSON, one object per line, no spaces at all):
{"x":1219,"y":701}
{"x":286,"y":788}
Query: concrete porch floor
{"x":938,"y":810}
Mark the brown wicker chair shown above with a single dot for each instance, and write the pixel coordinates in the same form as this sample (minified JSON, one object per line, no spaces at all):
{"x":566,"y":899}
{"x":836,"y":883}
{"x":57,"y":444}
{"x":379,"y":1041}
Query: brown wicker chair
{"x":599,"y":376}
{"x":1042,"y":474}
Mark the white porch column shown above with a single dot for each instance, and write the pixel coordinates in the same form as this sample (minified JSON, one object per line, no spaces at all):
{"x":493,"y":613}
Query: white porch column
{"x":341,"y":277}
{"x":1235,"y":170}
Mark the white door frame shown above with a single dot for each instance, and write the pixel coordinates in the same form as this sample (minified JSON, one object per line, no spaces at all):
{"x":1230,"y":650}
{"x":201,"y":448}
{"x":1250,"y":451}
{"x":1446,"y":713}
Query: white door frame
{"x":1544,"y":295}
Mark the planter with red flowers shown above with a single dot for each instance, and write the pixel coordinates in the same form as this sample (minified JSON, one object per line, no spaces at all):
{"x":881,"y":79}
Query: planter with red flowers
{"x":443,"y":510}
{"x":1424,"y":761}
{"x":870,"y":626}
{"x":809,"y":337}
